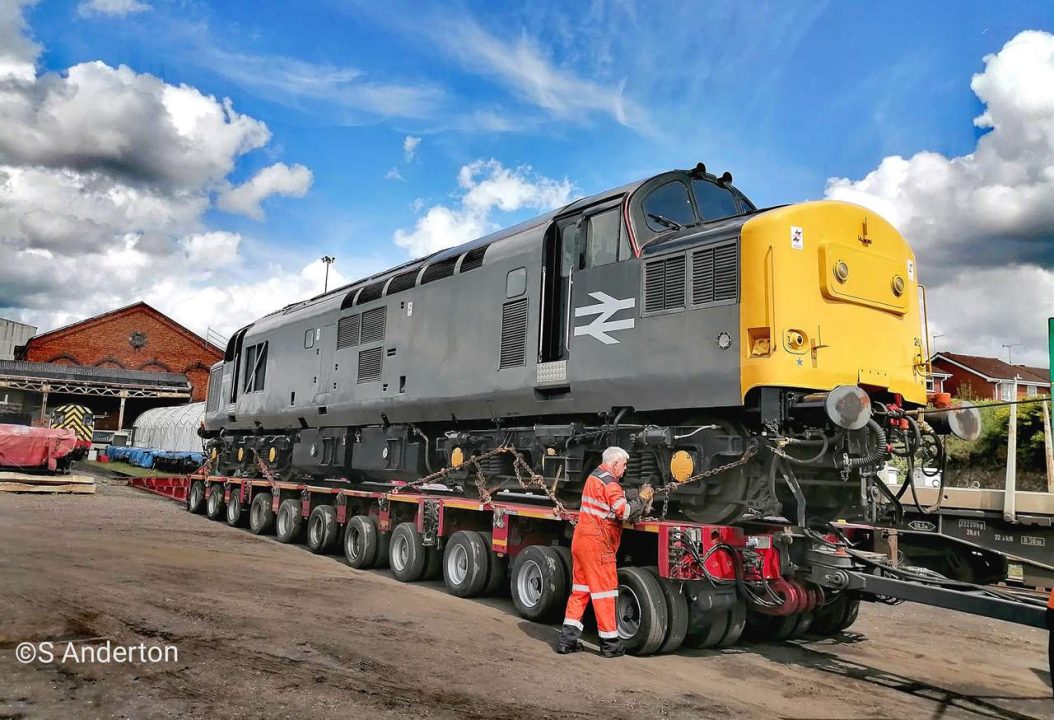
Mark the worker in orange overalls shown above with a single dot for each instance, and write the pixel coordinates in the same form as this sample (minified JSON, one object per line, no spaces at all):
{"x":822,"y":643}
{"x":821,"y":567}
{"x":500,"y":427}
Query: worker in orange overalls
{"x":593,"y":549}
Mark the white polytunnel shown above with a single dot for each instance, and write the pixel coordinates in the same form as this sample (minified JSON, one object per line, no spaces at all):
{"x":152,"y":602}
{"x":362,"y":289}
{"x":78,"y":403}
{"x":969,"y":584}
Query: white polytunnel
{"x":172,"y":428}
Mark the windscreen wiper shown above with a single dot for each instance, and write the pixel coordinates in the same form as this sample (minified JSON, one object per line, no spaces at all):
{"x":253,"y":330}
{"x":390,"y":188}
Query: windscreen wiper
{"x":666,"y":222}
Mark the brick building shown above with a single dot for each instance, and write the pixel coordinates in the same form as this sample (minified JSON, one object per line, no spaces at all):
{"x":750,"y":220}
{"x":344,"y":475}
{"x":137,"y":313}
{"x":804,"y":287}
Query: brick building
{"x":985,"y":378}
{"x":119,"y":363}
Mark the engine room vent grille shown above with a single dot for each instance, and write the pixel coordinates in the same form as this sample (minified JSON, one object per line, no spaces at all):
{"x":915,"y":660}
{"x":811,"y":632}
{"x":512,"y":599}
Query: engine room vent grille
{"x":370,"y":292}
{"x":370,"y":365}
{"x":402,"y":282}
{"x":373,"y":325}
{"x":715,"y":275}
{"x":215,"y":380}
{"x":473,"y":259}
{"x":513,"y":334}
{"x":348,"y":332}
{"x":439,"y":270}
{"x":664,"y":284}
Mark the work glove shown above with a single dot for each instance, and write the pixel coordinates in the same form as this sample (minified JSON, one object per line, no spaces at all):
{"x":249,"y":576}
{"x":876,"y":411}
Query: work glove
{"x":646,"y":493}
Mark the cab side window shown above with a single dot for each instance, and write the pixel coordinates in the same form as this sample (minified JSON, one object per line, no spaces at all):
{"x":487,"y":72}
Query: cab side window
{"x":605,"y":241}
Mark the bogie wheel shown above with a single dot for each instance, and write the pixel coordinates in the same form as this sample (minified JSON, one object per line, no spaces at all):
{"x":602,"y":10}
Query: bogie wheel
{"x":497,"y":570}
{"x":322,"y":529}
{"x":214,"y":505}
{"x":261,"y":516}
{"x":537,"y":583}
{"x":196,"y":497}
{"x":361,"y":542}
{"x":465,"y":563}
{"x":289,"y":524}
{"x":640,"y":610}
{"x":676,"y":612}
{"x":234,"y":508}
{"x":407,"y":554}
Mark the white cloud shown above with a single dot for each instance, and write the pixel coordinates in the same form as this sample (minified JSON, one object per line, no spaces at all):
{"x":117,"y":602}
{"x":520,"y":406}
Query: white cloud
{"x":983,"y":222}
{"x":105,"y":178}
{"x":277,"y":179}
{"x":393,"y":174}
{"x":119,"y":8}
{"x":410,"y":144}
{"x":487,"y":186}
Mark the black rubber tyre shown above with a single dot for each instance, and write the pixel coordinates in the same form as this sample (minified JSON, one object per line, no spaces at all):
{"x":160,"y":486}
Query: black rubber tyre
{"x":289,"y":525}
{"x":408,"y":555}
{"x":235,"y":516}
{"x":322,"y":530}
{"x":196,"y":497}
{"x":497,"y":570}
{"x":852,"y":612}
{"x":835,"y":616}
{"x":761,"y":627}
{"x":214,"y":505}
{"x":737,"y":621}
{"x":676,"y":612}
{"x":537,"y":583}
{"x":360,"y":542}
{"x":640,"y":611}
{"x":433,"y":564}
{"x":384,"y":544}
{"x":707,"y":630}
{"x":466,"y":560}
{"x":261,"y":516}
{"x":567,"y":562}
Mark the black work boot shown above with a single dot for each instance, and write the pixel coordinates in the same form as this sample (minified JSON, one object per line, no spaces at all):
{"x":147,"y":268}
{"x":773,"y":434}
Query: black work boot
{"x":569,"y":640}
{"x":611,"y":648}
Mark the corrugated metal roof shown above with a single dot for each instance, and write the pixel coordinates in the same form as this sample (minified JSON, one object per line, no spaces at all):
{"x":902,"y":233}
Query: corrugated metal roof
{"x":116,"y":376}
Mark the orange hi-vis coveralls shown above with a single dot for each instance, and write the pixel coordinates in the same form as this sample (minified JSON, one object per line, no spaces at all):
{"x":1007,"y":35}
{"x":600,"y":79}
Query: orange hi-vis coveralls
{"x":593,"y":548}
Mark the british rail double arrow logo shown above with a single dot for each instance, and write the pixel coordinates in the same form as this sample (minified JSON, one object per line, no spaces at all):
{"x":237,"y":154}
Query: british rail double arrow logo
{"x":602,"y":324}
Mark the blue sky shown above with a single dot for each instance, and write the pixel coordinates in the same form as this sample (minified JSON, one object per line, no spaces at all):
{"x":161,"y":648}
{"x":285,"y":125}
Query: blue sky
{"x":785,"y":95}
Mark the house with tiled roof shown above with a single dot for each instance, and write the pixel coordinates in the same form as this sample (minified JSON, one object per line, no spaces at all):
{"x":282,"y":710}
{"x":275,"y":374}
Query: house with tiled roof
{"x":986,"y":378}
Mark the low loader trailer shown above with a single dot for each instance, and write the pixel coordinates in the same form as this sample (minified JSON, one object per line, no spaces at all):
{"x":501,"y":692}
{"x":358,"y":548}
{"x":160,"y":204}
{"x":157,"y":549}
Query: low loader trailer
{"x":680,"y":582}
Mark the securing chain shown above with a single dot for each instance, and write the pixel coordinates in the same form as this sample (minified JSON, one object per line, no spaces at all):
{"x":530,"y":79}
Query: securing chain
{"x":753,"y":446}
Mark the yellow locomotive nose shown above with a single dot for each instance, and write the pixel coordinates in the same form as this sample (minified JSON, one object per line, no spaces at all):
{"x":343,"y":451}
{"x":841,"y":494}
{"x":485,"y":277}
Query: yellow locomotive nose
{"x":829,"y":298}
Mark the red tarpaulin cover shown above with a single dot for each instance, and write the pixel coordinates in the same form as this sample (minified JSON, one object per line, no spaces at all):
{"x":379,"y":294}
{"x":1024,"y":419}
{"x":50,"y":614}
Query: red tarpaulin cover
{"x":32,"y":447}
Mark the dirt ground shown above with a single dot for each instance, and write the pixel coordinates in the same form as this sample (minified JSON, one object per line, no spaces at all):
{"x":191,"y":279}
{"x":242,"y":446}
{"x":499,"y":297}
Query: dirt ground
{"x":269,"y":630}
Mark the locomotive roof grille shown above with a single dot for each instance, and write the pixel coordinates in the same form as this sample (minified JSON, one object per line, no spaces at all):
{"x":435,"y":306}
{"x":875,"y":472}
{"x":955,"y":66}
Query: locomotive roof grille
{"x":439,"y":270}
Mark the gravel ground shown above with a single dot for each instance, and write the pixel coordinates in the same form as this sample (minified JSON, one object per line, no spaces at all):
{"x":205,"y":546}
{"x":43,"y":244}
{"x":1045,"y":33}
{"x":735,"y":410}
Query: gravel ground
{"x":269,"y":630}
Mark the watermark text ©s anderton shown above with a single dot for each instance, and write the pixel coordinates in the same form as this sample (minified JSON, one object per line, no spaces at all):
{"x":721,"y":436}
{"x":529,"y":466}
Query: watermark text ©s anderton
{"x":104,"y":653}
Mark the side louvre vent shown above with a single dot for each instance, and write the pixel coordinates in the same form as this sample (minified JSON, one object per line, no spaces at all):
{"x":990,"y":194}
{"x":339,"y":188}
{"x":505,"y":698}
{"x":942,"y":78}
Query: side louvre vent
{"x":370,"y":365}
{"x":373,"y":325}
{"x":215,"y":381}
{"x":348,"y":332}
{"x":715,"y":274}
{"x":513,"y":334}
{"x":664,"y":284}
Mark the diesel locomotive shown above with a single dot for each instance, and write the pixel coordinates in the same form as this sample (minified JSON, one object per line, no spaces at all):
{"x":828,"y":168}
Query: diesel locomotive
{"x":755,"y":363}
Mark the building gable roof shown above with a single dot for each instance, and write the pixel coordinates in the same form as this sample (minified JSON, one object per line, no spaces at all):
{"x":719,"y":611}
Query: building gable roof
{"x":995,"y":370}
{"x":134,"y":308}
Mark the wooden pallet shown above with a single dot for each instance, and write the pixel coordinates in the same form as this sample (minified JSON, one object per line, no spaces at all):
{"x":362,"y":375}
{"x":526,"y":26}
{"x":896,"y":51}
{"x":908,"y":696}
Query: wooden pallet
{"x":27,"y":483}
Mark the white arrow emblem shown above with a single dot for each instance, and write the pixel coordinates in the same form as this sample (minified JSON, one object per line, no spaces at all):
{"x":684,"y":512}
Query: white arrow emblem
{"x":602,"y":324}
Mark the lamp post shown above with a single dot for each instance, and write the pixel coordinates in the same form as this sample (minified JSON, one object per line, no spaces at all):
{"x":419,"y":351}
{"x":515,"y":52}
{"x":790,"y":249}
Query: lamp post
{"x":938,"y":335}
{"x":328,"y":260}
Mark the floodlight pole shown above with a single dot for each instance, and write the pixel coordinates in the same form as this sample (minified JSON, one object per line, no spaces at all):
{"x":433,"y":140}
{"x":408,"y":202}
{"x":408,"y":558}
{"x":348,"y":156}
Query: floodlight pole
{"x":328,"y":260}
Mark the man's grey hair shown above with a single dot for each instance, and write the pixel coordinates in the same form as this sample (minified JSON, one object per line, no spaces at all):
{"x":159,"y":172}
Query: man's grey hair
{"x":613,"y":454}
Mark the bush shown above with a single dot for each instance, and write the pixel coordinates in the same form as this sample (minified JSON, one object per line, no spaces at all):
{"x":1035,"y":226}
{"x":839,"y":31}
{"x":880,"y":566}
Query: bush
{"x":990,"y":450}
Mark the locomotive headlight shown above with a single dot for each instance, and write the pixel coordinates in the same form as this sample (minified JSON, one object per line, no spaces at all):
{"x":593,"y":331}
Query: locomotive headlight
{"x":898,"y":285}
{"x":841,"y":271}
{"x":848,"y":407}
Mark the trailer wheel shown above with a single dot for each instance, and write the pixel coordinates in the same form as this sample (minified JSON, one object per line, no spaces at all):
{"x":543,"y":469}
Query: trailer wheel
{"x":676,"y":612}
{"x":214,"y":503}
{"x":465,"y":562}
{"x":384,"y":544}
{"x":433,"y":563}
{"x":360,"y":542}
{"x":640,"y":610}
{"x":322,"y":529}
{"x":737,"y":621}
{"x":261,"y":516}
{"x":196,"y":497}
{"x":289,"y":524}
{"x":234,"y":508}
{"x":407,"y":556}
{"x":708,"y":631}
{"x":852,"y":611}
{"x":497,"y":569}
{"x":835,"y":616}
{"x":537,"y":584}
